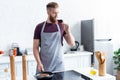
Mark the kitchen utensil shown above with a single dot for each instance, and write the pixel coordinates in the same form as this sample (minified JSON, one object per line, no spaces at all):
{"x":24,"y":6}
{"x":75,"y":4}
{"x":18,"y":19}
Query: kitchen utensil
{"x":102,"y":57}
{"x":12,"y":67}
{"x":102,"y":63}
{"x":74,"y":48}
{"x":39,"y":77}
{"x":81,"y":47}
{"x":24,"y":67}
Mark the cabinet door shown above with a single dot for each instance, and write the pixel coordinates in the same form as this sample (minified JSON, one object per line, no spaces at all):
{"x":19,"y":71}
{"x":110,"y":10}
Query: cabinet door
{"x":18,"y":68}
{"x":2,"y":67}
{"x":32,"y":67}
{"x":70,"y":63}
{"x":84,"y":61}
{"x":76,"y":62}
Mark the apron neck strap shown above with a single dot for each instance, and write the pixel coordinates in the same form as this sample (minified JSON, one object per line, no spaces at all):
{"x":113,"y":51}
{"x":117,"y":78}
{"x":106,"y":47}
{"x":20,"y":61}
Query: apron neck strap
{"x":45,"y":24}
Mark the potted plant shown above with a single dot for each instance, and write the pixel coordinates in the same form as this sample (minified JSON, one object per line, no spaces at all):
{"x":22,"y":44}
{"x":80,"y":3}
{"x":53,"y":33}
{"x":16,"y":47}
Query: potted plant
{"x":116,"y":59}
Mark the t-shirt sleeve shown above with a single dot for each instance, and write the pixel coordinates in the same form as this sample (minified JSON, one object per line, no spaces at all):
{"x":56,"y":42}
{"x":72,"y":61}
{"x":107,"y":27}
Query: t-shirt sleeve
{"x":62,"y":30}
{"x":37,"y":32}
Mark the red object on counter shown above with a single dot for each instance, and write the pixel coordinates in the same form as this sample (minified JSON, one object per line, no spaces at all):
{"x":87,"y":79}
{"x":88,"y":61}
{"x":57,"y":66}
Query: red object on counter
{"x":15,"y":51}
{"x":1,"y":52}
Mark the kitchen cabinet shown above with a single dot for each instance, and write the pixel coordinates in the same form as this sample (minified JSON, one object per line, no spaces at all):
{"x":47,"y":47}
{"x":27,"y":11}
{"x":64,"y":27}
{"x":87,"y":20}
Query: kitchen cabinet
{"x":77,"y":59}
{"x":2,"y":68}
{"x":70,"y":63}
{"x":32,"y":67}
{"x":72,"y":60}
{"x":84,"y":61}
{"x":81,"y":73}
{"x":18,"y":68}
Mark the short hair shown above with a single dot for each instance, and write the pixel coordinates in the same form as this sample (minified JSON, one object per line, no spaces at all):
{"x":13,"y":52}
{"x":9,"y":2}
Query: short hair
{"x":52,"y":5}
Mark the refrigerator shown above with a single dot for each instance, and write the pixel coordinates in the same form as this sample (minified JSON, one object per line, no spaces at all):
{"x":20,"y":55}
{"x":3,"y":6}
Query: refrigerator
{"x":90,"y":43}
{"x":107,"y":47}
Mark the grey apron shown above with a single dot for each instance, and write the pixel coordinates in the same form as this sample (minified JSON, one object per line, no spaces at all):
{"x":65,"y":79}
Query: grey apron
{"x":51,"y":50}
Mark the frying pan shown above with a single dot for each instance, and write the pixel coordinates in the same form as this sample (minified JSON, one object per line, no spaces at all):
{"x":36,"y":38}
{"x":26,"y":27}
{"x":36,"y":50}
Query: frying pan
{"x":38,"y":77}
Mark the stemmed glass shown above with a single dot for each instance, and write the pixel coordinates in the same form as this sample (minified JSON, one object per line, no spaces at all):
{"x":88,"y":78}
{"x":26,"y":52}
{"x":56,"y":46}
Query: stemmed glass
{"x":7,"y":73}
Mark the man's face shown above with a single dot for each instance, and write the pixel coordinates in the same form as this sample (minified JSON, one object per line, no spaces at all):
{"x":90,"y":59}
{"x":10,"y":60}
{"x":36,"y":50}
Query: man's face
{"x":53,"y":14}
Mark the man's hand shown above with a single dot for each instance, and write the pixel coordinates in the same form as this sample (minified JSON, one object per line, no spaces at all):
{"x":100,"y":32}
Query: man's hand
{"x":68,"y":36}
{"x":66,"y":28}
{"x":40,"y":67}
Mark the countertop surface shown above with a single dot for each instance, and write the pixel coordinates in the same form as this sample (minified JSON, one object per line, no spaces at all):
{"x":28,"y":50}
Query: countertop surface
{"x":76,"y":74}
{"x":64,"y":75}
{"x":5,"y":59}
{"x":86,"y":72}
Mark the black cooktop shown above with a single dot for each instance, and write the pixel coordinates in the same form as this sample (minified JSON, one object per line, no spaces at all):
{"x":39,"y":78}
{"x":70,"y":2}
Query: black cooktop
{"x":69,"y":75}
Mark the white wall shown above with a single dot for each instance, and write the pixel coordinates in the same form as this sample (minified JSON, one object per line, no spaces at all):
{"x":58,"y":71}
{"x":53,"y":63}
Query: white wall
{"x":107,"y":21}
{"x":18,"y":19}
{"x":107,"y":26}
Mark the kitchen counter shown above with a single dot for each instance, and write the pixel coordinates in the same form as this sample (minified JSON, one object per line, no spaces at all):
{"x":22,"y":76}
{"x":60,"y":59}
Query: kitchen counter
{"x":76,"y":58}
{"x":85,"y":71}
{"x":64,"y":75}
{"x":5,"y":59}
{"x":76,"y":74}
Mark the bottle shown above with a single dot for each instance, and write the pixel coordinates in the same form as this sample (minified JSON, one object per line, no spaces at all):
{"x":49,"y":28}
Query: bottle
{"x":15,"y":51}
{"x":15,"y":48}
{"x":10,"y":52}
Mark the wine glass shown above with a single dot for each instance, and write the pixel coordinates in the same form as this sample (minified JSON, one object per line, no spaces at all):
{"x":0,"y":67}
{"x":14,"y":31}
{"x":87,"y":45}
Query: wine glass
{"x":7,"y":73}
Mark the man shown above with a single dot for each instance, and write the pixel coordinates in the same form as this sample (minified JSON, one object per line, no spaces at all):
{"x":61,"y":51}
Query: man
{"x":49,"y":36}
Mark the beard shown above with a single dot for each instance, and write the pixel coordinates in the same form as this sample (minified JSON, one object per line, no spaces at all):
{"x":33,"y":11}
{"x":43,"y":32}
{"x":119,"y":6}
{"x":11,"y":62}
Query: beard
{"x":53,"y":19}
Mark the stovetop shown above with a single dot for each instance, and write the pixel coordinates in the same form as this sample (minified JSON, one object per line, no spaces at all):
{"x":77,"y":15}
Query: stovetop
{"x":69,"y":75}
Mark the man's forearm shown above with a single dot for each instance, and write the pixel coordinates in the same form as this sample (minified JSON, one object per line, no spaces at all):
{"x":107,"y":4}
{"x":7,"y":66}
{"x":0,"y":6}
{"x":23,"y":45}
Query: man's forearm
{"x":36,"y":55}
{"x":68,"y":36}
{"x":70,"y":39}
